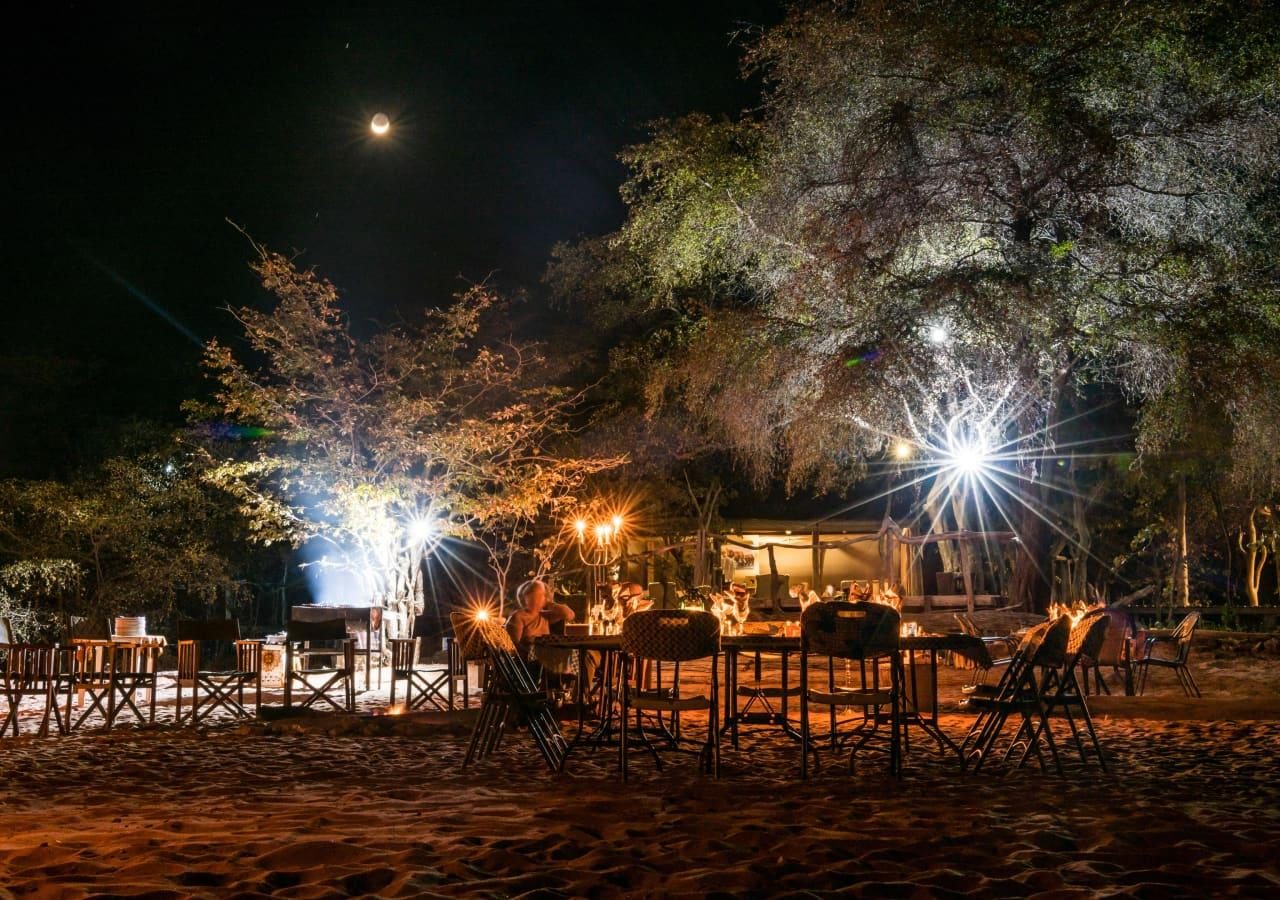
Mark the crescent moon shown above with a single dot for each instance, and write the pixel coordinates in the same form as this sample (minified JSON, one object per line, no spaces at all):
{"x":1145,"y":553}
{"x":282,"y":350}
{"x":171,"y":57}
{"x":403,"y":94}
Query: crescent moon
{"x":380,"y":124}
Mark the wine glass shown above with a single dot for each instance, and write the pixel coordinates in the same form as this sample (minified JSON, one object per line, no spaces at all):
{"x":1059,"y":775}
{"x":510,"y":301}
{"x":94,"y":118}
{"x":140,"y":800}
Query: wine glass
{"x":612,"y":614}
{"x":739,"y":610}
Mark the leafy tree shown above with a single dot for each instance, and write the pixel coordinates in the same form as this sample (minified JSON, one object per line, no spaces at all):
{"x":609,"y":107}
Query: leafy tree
{"x":949,"y":206}
{"x":130,"y":535}
{"x":382,"y":448}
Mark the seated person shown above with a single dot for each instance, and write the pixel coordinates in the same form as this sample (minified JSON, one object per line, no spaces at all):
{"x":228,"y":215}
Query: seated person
{"x":532,"y":619}
{"x":534,"y":615}
{"x":632,"y":596}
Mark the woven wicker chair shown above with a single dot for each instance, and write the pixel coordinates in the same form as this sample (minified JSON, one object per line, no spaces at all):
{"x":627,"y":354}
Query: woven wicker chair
{"x":996,"y":651}
{"x":1178,"y":645}
{"x":465,"y":647}
{"x":1019,"y":693}
{"x":1064,"y":691}
{"x":1114,"y":654}
{"x":671,"y":635}
{"x":862,"y":631}
{"x":223,"y":688}
{"x":510,"y":689}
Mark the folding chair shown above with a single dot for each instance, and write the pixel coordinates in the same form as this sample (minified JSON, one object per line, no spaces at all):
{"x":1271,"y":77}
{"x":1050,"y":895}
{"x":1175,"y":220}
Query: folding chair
{"x":865,"y":632}
{"x":1179,"y":645}
{"x":434,"y":683}
{"x":511,"y":689}
{"x":319,"y":681}
{"x":133,"y":669}
{"x":223,"y":688}
{"x":1020,"y":692}
{"x":33,"y":670}
{"x":1064,"y":691}
{"x":672,"y":635}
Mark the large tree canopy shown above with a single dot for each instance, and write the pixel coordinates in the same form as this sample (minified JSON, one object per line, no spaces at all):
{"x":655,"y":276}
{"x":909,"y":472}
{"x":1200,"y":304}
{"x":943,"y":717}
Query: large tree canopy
{"x":945,"y":203}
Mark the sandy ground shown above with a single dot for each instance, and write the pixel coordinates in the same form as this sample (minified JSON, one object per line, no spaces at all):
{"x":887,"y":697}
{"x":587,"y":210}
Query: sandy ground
{"x":1190,"y":807}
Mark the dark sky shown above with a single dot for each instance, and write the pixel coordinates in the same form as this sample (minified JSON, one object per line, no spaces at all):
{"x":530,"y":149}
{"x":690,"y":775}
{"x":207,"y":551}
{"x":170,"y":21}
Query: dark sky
{"x":139,"y":132}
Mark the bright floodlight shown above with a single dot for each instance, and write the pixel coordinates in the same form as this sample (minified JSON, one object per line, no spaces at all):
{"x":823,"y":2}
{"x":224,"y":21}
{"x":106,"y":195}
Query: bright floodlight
{"x":938,"y":334}
{"x":617,"y":523}
{"x":968,"y":458}
{"x":902,"y":450}
{"x":482,"y":615}
{"x":421,"y":531}
{"x":380,"y":124}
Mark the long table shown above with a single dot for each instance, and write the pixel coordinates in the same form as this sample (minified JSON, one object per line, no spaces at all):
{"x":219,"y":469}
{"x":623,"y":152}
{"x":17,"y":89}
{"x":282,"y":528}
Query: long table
{"x":929,"y":645}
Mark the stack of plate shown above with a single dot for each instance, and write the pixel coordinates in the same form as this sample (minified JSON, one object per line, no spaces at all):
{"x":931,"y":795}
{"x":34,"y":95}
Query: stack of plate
{"x":131,"y":626}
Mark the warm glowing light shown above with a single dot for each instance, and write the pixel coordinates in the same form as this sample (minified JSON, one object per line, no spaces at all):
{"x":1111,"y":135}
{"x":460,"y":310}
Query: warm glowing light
{"x":380,"y":124}
{"x":903,"y":450}
{"x":581,"y":525}
{"x":482,"y":615}
{"x":617,"y":523}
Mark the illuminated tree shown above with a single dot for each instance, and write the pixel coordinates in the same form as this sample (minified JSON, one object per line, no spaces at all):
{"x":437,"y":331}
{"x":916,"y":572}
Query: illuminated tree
{"x":128,"y":536}
{"x":380,"y":449}
{"x":947,"y":204}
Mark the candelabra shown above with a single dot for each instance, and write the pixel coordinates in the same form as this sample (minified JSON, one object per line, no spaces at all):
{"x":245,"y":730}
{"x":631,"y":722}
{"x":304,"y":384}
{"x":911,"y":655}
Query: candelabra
{"x":601,"y":546}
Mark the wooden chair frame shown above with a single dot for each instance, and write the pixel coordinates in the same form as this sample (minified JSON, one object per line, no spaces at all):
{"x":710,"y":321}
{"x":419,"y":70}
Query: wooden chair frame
{"x":326,"y":679}
{"x":223,"y":689}
{"x":434,"y":683}
{"x":34,"y":670}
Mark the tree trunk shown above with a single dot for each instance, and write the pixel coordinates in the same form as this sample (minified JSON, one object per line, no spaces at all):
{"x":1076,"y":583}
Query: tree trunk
{"x":1181,"y":565}
{"x":1084,"y":540}
{"x":1031,"y":587}
{"x":1255,"y":558}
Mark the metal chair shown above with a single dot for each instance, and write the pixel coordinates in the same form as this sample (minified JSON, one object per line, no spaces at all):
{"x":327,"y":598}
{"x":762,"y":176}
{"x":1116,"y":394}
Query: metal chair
{"x":34,"y":670}
{"x":1064,"y":691}
{"x":1179,"y":645}
{"x":320,"y":681}
{"x":1020,"y":692}
{"x":1114,"y":654}
{"x":433,"y":683}
{"x":676,"y":636}
{"x":867,"y":633}
{"x":510,"y":691}
{"x":223,"y":688}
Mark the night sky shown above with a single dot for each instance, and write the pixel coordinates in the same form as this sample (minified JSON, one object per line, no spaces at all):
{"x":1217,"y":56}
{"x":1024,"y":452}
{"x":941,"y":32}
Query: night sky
{"x":139,"y":131}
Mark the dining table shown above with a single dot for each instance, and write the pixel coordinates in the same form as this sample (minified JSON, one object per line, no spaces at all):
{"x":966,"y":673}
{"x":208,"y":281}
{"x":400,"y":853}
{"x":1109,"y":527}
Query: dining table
{"x":920,"y":664}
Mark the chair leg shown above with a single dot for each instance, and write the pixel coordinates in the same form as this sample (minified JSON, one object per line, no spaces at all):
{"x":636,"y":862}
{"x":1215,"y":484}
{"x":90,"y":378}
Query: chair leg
{"x":804,"y":717}
{"x":622,"y":736}
{"x":1188,"y":681}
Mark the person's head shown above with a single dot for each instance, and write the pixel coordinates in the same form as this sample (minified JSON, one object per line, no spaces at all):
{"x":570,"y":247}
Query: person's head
{"x":630,"y":590}
{"x":739,"y":591}
{"x":532,"y":595}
